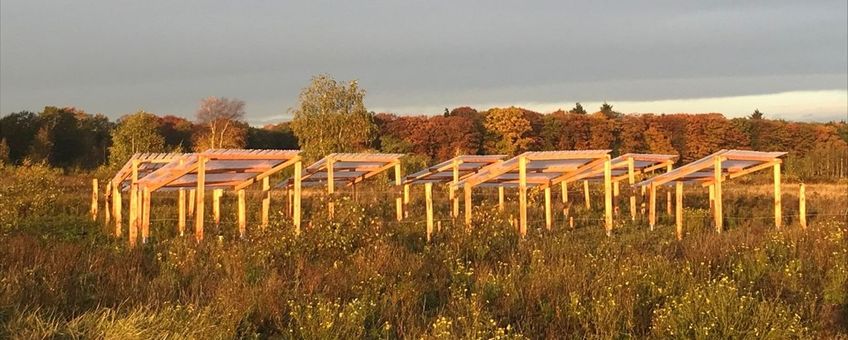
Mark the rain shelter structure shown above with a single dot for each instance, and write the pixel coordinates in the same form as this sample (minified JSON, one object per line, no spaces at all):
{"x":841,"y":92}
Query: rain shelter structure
{"x":541,"y":169}
{"x":449,"y":171}
{"x":216,"y":169}
{"x":349,"y":169}
{"x":712,"y":171}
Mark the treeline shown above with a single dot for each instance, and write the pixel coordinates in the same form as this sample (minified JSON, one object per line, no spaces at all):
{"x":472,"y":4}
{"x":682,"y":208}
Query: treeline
{"x":72,"y":138}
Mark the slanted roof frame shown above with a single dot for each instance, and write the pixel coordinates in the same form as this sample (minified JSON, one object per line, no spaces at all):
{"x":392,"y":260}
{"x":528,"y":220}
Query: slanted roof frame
{"x":467,"y":165}
{"x":543,"y":168}
{"x":642,"y":163}
{"x":735,"y":163}
{"x":146,"y":163}
{"x":348,"y":168}
{"x":236,"y":168}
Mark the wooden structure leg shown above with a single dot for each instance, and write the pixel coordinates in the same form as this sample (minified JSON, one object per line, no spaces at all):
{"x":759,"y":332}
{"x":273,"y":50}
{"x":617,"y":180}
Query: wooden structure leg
{"x":652,"y":208}
{"x":116,"y":208}
{"x":399,"y":199}
{"x":216,"y":205}
{"x":718,"y":215}
{"x":200,"y":192}
{"x":778,"y":206}
{"x":133,"y":223}
{"x":548,"y":215}
{"x":802,"y":205}
{"x":266,"y":201}
{"x":406,"y":189}
{"x":428,"y":195}
{"x":522,"y":196}
{"x":678,"y":211}
{"x":615,"y":194}
{"x":501,"y":199}
{"x":107,"y":212}
{"x":467,"y":199}
{"x":94,"y":192}
{"x":242,"y":218}
{"x":145,"y":219}
{"x":181,"y":211}
{"x":453,"y":198}
{"x":298,"y":168}
{"x":191,"y":201}
{"x":588,"y":201}
{"x":608,"y":196}
{"x":331,"y":187}
{"x":668,"y":209}
{"x":631,"y":179}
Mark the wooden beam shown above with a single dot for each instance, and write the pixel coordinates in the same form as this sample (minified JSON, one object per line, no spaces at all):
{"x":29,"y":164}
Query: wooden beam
{"x":331,"y":186}
{"x":652,"y":206}
{"x":522,"y":198}
{"x":428,"y":195}
{"x":778,"y":206}
{"x":615,"y":193}
{"x":548,"y":215}
{"x":406,"y":189}
{"x":608,"y":196}
{"x":191,"y":201}
{"x":145,"y":219}
{"x":107,"y":213}
{"x":802,"y":205}
{"x":133,"y":218}
{"x":297,"y":196}
{"x":678,"y":212}
{"x":266,"y":201}
{"x":216,"y":205}
{"x":719,"y":216}
{"x":94,"y":193}
{"x":587,"y":200}
{"x":399,"y":199}
{"x":116,"y":206}
{"x":200,"y":192}
{"x":669,"y":166}
{"x":467,"y":197}
{"x":242,"y":218}
{"x":501,"y":200}
{"x":453,"y":198}
{"x":564,"y":188}
{"x":181,"y":212}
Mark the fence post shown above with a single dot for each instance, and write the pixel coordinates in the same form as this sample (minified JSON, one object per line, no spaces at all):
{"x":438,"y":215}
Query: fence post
{"x":802,"y":205}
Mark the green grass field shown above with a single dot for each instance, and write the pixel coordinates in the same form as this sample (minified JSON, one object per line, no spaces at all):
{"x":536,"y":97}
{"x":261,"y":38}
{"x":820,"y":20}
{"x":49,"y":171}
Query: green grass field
{"x":362,"y":275}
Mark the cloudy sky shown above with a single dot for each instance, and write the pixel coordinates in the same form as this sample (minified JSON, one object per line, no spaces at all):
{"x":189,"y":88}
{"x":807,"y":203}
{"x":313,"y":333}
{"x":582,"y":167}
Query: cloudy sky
{"x":787,"y":58}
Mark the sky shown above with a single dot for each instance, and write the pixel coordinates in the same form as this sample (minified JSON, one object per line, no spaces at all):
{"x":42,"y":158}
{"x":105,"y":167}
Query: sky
{"x":789,"y":59}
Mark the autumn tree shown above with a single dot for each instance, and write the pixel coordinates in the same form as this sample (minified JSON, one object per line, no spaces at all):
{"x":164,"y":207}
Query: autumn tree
{"x":177,"y":132}
{"x":578,"y":109}
{"x":18,"y":130}
{"x":757,"y":114}
{"x":331,"y":117}
{"x":221,"y":124}
{"x":512,"y":130}
{"x":607,"y":111}
{"x":138,"y":132}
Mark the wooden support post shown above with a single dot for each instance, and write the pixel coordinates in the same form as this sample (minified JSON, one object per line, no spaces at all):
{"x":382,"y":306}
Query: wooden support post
{"x":719,"y":216}
{"x":145,"y":220}
{"x":133,"y":223}
{"x":522,"y":196}
{"x":216,"y":205}
{"x":191,"y":201}
{"x":615,"y":193}
{"x":501,"y":199}
{"x":668,"y":194}
{"x":107,"y":212}
{"x":643,"y":194}
{"x":564,"y":188}
{"x":94,"y":192}
{"x":298,"y":166}
{"x":588,"y":201}
{"x":678,"y":211}
{"x":399,"y":199}
{"x":453,"y":198}
{"x":242,"y":218}
{"x":467,"y":197}
{"x":116,"y":206}
{"x":631,"y":179}
{"x":652,"y":208}
{"x":331,"y":187}
{"x":608,"y":196}
{"x":778,"y":206}
{"x":181,"y":210}
{"x":406,"y":200}
{"x":290,"y":203}
{"x":266,"y":201}
{"x":200,"y":192}
{"x":428,"y":195}
{"x":548,"y":215}
{"x":802,"y":205}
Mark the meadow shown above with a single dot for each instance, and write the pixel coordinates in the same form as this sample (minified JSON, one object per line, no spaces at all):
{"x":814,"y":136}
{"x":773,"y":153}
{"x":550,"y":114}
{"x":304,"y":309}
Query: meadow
{"x":363,"y":275}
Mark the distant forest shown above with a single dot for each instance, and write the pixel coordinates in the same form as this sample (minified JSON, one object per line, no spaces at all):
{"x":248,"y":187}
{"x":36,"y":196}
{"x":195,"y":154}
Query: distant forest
{"x":73,"y":139}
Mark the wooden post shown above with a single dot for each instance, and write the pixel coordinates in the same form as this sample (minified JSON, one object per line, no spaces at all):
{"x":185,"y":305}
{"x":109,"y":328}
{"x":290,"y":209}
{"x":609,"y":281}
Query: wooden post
{"x":608,"y":196}
{"x":94,"y":192}
{"x":331,"y":187}
{"x":652,"y":208}
{"x":406,"y":200}
{"x":428,"y":195}
{"x":631,"y":179}
{"x":107,"y":212}
{"x":712,"y":199}
{"x":133,"y":223}
{"x":548,"y":216}
{"x":467,"y":197}
{"x":802,"y":205}
{"x":522,"y":196}
{"x":200,"y":192}
{"x":615,"y":193}
{"x":191,"y":201}
{"x":778,"y":207}
{"x":296,"y":208}
{"x":453,"y":198}
{"x":242,"y":218}
{"x":116,"y":206}
{"x":145,"y":220}
{"x":216,"y":205}
{"x":399,"y":199}
{"x":643,"y":194}
{"x":564,"y":188}
{"x":266,"y":201}
{"x":501,"y":199}
{"x":181,"y":210}
{"x":588,"y":202}
{"x":290,"y":203}
{"x":719,"y":217}
{"x":668,"y":194}
{"x":679,"y":209}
